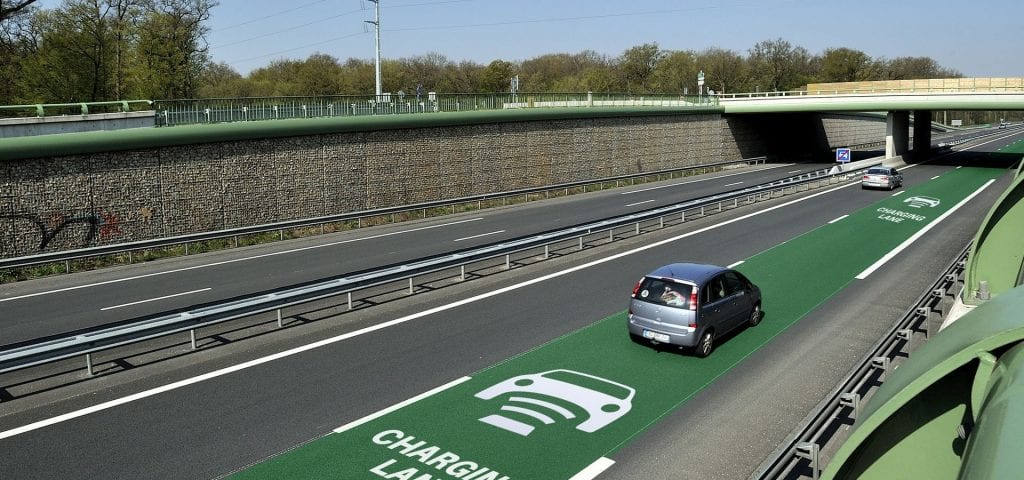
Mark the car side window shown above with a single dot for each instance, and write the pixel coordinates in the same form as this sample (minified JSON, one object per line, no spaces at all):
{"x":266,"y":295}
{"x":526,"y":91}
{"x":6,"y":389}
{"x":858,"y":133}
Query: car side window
{"x":733,"y":284}
{"x":717,"y":288}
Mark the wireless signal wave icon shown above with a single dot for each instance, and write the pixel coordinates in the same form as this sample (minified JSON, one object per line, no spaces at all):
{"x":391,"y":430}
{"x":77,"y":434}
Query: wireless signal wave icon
{"x":604,"y":401}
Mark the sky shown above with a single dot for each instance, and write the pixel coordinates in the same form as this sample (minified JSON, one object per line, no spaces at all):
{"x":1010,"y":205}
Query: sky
{"x":982,"y":38}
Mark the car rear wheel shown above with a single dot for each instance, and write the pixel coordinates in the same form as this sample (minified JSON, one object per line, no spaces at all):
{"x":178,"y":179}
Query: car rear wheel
{"x":755,"y":316}
{"x":706,"y":344}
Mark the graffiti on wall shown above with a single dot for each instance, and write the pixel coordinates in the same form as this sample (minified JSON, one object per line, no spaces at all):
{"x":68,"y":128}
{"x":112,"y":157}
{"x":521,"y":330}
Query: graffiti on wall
{"x":98,"y":226}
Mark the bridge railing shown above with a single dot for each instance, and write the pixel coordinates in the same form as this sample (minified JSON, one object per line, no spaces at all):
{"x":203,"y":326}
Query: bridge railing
{"x":80,"y":108}
{"x":217,"y":110}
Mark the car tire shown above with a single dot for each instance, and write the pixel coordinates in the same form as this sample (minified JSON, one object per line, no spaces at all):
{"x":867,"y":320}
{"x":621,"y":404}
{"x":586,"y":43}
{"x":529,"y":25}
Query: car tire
{"x":755,"y":316}
{"x":705,"y":345}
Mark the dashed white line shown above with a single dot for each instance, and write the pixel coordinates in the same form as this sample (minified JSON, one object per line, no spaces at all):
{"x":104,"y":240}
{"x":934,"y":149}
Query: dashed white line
{"x":695,"y":181}
{"x":478,"y":236}
{"x":128,"y":279}
{"x":594,"y":469}
{"x":794,"y":171}
{"x":157,"y":298}
{"x":736,"y":264}
{"x":898,"y":193}
{"x":639,"y":203}
{"x":933,"y":178}
{"x":373,"y":416}
{"x":906,"y":243}
{"x":733,"y":184}
{"x":838,"y":219}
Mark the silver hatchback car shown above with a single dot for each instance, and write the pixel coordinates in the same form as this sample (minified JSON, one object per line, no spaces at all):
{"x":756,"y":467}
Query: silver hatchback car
{"x":691,"y":305}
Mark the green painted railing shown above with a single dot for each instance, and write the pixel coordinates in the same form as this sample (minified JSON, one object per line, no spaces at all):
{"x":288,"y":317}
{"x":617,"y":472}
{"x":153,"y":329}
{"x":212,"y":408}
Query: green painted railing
{"x":81,"y":108}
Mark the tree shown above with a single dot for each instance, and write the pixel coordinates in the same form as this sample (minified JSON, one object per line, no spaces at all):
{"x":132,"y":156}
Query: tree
{"x":637,"y":65}
{"x":845,"y":65}
{"x":219,"y":80}
{"x":776,"y":65}
{"x":496,"y":77}
{"x":19,"y":41}
{"x":906,"y":68}
{"x":71,"y":63}
{"x":8,"y":8}
{"x":724,"y":70}
{"x":675,"y":72}
{"x":173,"y":46}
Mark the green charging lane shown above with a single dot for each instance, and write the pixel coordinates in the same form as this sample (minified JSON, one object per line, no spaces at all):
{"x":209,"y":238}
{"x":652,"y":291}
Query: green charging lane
{"x":557,"y":411}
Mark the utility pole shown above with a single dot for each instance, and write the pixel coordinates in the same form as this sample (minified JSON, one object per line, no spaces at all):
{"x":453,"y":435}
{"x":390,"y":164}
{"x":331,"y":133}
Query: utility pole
{"x":376,"y":26}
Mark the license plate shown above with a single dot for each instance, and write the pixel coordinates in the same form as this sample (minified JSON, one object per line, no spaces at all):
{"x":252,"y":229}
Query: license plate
{"x":657,"y":337}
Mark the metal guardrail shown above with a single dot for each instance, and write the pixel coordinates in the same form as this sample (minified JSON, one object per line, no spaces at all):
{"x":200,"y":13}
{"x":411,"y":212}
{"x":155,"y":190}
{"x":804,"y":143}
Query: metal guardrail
{"x":86,"y":343}
{"x":799,"y":456}
{"x":76,"y":254}
{"x":216,"y":110}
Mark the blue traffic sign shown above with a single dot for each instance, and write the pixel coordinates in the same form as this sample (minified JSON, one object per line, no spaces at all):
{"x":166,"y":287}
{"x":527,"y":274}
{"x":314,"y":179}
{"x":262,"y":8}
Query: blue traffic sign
{"x":842,"y":155}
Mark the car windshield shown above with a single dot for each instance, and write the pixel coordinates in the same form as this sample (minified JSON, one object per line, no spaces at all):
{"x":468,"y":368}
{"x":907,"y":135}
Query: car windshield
{"x":664,"y":292}
{"x":878,"y":171}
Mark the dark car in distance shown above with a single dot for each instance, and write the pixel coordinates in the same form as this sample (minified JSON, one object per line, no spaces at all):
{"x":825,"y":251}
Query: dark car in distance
{"x":691,"y":305}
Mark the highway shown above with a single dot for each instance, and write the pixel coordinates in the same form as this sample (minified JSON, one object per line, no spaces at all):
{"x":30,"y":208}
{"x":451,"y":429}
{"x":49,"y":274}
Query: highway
{"x":223,"y":409}
{"x":37,"y":309}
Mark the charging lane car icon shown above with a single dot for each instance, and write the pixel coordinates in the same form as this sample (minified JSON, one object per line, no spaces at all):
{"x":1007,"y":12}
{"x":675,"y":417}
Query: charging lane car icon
{"x":918,"y":201}
{"x":603,"y":400}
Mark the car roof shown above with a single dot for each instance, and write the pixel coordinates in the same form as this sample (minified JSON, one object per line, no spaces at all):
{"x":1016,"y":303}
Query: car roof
{"x":694,"y":272}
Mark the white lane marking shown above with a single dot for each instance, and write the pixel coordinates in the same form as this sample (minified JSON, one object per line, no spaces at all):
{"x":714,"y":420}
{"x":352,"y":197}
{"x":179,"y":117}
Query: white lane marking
{"x":959,"y":167}
{"x":225,"y":262}
{"x":698,"y":180}
{"x":898,"y":193}
{"x":373,"y":328}
{"x":478,"y":236}
{"x":373,"y":416}
{"x":594,"y":469}
{"x":906,"y":243}
{"x":933,"y":178}
{"x":733,"y":184}
{"x":639,"y":203}
{"x":837,"y":219}
{"x":794,"y":171}
{"x":156,"y":299}
{"x":736,"y":264}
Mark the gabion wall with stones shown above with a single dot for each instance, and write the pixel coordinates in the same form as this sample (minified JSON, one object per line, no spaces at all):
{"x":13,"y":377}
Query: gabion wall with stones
{"x":61,"y":203}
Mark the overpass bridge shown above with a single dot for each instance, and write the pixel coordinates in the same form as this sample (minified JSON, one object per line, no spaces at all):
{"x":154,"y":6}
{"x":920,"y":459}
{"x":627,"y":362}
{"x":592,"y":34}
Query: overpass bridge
{"x":900,"y":108}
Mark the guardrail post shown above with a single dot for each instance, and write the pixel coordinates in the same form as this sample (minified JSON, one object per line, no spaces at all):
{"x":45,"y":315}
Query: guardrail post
{"x":809,"y":451}
{"x":462,"y":273}
{"x":192,"y":336}
{"x":682,"y":216}
{"x":88,"y":364}
{"x":411,"y":286}
{"x":508,"y":262}
{"x":851,"y":400}
{"x":546,"y":252}
{"x":638,"y":228}
{"x":280,"y":321}
{"x":350,"y":300}
{"x":882,"y":363}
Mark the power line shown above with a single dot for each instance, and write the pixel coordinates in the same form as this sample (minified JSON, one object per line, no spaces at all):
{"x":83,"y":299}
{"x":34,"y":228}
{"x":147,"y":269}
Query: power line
{"x":244,"y":60}
{"x":247,"y":22}
{"x":289,"y":29}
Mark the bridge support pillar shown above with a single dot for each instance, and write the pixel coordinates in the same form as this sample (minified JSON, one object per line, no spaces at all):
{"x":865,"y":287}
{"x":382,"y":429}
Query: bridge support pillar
{"x":922,"y":133}
{"x":897,"y":134}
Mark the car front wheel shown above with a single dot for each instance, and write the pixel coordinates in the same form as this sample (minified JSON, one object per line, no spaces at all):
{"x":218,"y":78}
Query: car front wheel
{"x":706,"y":344}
